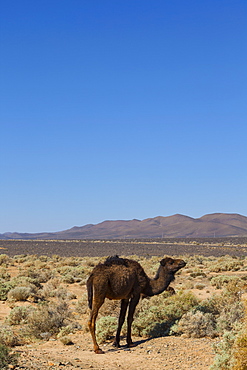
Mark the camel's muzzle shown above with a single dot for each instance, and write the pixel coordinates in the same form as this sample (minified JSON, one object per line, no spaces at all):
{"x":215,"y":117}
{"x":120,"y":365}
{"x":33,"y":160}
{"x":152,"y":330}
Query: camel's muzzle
{"x":181,"y":264}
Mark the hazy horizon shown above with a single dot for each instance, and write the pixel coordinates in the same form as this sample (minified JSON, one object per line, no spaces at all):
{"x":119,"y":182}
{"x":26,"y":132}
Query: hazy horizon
{"x":68,"y":228}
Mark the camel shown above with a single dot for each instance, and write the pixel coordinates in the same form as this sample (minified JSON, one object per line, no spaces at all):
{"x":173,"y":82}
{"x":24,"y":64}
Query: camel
{"x":125,"y":280}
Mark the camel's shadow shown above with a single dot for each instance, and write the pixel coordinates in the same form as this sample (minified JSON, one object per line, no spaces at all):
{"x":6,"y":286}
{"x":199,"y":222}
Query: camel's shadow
{"x":110,"y":347}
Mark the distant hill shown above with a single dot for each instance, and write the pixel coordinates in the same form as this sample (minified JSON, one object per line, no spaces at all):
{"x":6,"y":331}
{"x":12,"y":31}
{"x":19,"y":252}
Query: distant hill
{"x":176,"y":226}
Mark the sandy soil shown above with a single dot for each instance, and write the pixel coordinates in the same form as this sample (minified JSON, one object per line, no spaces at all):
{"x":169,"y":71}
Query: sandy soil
{"x":159,"y":353}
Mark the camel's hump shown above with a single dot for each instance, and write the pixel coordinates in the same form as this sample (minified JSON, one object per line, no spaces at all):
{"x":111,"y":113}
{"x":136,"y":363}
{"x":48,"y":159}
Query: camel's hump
{"x":115,"y":260}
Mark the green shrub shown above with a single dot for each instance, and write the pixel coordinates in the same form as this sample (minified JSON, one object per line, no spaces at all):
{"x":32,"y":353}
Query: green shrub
{"x":223,"y":280}
{"x":231,"y":351}
{"x":7,"y":358}
{"x":4,"y":275}
{"x":240,"y":351}
{"x":230,"y":317}
{"x":20,"y":258}
{"x":240,"y":345}
{"x":72,"y":274}
{"x":65,"y":331}
{"x":5,"y":287}
{"x":110,"y":308}
{"x":82,"y":305}
{"x":63,"y":293}
{"x":196,"y":324}
{"x":66,"y":340}
{"x":19,"y":315}
{"x":47,"y":319}
{"x":41,"y":275}
{"x":155,"y":316}
{"x":8,"y":337}
{"x":68,"y":279}
{"x":224,"y":350}
{"x":225,"y":263}
{"x":19,"y":293}
{"x":4,"y":259}
{"x":68,"y":329}
{"x":227,"y":308}
{"x":198,"y":273}
{"x":200,"y":286}
{"x":22,"y":280}
{"x":49,"y":289}
{"x":106,"y":328}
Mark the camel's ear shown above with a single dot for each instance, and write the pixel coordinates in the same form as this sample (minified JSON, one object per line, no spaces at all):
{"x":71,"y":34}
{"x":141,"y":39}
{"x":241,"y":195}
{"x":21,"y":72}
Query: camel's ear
{"x":164,"y":261}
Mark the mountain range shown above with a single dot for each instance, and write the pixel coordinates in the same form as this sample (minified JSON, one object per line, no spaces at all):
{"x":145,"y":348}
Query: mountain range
{"x":176,"y":226}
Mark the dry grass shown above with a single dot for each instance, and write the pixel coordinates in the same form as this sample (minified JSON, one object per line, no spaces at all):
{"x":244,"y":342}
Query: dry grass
{"x":48,"y":298}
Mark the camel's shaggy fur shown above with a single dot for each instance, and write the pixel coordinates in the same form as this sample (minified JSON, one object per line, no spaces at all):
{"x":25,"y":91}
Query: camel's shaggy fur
{"x":125,"y":279}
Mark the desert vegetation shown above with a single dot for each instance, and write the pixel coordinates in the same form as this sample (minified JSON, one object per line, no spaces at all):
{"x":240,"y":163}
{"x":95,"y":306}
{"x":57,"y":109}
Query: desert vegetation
{"x":45,"y":297}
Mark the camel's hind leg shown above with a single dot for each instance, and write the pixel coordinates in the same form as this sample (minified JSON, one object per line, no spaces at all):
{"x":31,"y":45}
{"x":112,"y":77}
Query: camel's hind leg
{"x":132,"y":306}
{"x":124,"y":306}
{"x":91,"y":323}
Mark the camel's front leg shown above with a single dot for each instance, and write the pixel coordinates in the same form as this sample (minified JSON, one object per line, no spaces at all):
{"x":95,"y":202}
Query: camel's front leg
{"x":124,"y":306}
{"x":91,"y":325}
{"x":132,"y":306}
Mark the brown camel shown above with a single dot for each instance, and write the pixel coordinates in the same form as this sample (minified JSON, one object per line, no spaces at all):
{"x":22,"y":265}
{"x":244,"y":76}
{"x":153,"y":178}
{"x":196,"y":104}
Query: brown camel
{"x":124,"y":279}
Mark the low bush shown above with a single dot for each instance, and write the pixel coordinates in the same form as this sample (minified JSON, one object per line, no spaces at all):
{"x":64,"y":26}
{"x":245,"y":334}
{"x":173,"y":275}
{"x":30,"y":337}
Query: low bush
{"x":66,"y":340}
{"x":19,"y":315}
{"x":7,"y":359}
{"x":4,"y":275}
{"x":65,"y":331}
{"x":223,"y":350}
{"x":20,"y":293}
{"x":223,"y":280}
{"x":39,"y":276}
{"x":214,"y":316}
{"x":106,"y":328}
{"x":155,"y":316}
{"x":239,"y":350}
{"x":47,"y":319}
{"x":225,"y":263}
{"x":5,"y":287}
{"x":68,"y":279}
{"x":196,"y":324}
{"x":72,"y":274}
{"x":200,"y":286}
{"x":4,"y":259}
{"x":198,"y":273}
{"x":110,"y":308}
{"x":8,"y":336}
{"x":63,"y":293}
{"x":231,"y":351}
{"x":68,"y":329}
{"x":82,"y":305}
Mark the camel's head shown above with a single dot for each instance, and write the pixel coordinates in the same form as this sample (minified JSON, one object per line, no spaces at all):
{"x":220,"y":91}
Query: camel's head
{"x":172,"y":265}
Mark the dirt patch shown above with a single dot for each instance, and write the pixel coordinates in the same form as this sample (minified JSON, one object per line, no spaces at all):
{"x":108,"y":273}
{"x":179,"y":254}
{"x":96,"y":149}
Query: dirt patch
{"x":158,"y":353}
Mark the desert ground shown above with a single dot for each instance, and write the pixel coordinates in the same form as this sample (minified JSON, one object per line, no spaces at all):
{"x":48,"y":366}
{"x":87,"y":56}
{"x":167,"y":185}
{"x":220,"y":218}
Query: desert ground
{"x":66,"y":265}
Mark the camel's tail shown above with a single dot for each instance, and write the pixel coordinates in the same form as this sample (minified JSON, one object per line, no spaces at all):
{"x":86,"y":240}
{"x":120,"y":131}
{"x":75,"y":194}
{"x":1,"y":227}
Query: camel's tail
{"x":90,"y":292}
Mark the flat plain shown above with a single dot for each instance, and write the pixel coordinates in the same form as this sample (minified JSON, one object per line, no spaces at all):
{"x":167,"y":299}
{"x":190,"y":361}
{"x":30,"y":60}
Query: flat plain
{"x":141,"y":247}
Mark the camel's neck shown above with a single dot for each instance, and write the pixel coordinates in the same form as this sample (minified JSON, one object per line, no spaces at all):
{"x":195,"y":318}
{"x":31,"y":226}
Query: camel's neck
{"x":160,"y":283}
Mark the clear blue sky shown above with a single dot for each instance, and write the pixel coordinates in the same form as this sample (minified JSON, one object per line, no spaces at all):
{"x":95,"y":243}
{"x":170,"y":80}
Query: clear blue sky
{"x":121,"y":109}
